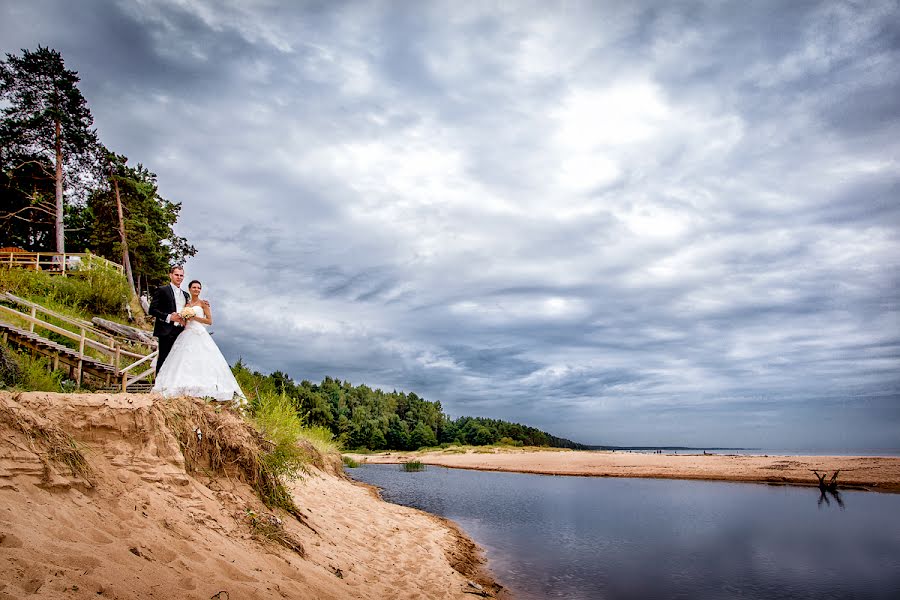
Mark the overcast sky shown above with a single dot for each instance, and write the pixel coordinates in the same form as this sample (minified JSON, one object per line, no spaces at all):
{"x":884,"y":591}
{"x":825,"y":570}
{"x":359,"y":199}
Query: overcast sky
{"x":622,"y":222}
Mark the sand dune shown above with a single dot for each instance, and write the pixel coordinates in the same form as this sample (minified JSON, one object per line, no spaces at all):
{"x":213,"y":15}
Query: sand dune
{"x":139,"y":524}
{"x":863,"y":472}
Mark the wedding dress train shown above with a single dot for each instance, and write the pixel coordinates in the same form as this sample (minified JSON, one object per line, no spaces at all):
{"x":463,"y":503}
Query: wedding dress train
{"x":196,"y":367}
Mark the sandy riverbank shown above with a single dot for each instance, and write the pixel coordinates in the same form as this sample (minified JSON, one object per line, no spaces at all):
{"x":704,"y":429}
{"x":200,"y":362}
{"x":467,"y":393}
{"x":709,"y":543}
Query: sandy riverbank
{"x":870,"y":473}
{"x":142,"y":524}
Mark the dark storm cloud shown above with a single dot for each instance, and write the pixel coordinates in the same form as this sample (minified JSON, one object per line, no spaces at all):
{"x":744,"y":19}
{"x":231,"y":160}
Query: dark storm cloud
{"x":625,"y":223}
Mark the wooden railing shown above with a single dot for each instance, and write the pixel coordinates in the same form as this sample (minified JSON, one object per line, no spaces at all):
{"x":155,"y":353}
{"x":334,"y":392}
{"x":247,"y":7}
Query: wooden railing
{"x":126,"y":380}
{"x":55,"y":263}
{"x":88,"y":336}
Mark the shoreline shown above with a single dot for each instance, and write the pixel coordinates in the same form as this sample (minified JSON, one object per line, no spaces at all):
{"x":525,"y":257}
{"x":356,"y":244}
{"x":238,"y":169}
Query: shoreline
{"x":868,"y":473}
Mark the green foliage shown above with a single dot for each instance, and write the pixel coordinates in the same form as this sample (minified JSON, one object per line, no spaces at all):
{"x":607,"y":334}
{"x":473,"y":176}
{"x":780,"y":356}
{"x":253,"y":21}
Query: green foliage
{"x":277,"y":420}
{"x":10,"y":371}
{"x":360,"y":417}
{"x":422,"y":436}
{"x":45,"y":123}
{"x":149,"y":221}
{"x":21,"y":371}
{"x":412,"y":466}
{"x":272,"y":408}
{"x":349,"y":462}
{"x":321,"y":439}
{"x":45,"y":130}
{"x":506,"y":441}
{"x":95,"y":288}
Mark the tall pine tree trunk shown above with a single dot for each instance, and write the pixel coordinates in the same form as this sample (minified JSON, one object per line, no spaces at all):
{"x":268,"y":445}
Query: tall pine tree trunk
{"x":126,"y":262}
{"x":60,"y":226}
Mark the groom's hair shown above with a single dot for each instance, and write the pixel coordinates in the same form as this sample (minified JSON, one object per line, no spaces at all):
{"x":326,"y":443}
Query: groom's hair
{"x":172,"y":270}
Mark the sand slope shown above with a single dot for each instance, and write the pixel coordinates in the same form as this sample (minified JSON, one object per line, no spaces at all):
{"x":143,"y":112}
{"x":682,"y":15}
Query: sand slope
{"x":864,"y":472}
{"x":141,"y":526}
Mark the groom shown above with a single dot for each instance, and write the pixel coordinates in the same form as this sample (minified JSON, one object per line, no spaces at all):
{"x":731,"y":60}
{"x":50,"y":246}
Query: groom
{"x":167,"y":303}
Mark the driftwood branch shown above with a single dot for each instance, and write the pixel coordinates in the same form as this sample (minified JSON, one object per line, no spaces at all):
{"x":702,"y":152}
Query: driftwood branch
{"x":131,"y":333}
{"x":831,"y":485}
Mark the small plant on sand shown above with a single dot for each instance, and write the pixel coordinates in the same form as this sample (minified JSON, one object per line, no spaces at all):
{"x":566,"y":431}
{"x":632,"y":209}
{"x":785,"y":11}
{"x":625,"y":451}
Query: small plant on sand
{"x":58,"y":446}
{"x":349,"y":462}
{"x":321,"y":438}
{"x":222,"y":442}
{"x":270,"y":527}
{"x":412,"y":466}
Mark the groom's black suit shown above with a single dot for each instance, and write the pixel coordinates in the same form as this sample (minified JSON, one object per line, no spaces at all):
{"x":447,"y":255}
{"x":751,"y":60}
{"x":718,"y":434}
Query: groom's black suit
{"x":161,"y":306}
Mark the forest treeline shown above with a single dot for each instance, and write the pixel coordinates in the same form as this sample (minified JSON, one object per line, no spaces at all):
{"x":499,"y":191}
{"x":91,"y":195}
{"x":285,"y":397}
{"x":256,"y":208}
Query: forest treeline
{"x":362,"y":417}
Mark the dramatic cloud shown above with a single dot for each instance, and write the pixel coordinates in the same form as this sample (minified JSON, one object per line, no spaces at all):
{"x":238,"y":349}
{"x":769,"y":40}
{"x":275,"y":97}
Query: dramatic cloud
{"x":624,"y":223}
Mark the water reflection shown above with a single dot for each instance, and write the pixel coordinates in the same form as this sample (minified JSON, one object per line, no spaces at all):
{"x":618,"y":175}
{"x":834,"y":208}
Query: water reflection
{"x":593,"y":538}
{"x":829,"y":487}
{"x":823,"y":497}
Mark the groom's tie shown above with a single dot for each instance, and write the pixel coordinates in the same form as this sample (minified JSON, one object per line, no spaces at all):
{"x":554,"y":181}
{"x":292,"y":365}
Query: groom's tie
{"x":179,"y":299}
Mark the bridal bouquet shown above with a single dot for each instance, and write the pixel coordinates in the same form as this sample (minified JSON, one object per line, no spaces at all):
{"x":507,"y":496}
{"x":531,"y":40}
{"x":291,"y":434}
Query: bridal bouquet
{"x":189,"y":312}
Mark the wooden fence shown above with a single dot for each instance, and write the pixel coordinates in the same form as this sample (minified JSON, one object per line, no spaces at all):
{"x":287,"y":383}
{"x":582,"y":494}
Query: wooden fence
{"x":111,"y":348}
{"x":53,"y":262}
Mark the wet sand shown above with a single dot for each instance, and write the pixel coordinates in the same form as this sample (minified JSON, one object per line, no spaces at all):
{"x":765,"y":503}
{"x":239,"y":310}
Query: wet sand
{"x":856,"y":472}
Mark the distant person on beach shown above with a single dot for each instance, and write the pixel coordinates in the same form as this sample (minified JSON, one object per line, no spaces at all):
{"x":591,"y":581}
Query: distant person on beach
{"x":195,"y":366}
{"x":166,"y":306}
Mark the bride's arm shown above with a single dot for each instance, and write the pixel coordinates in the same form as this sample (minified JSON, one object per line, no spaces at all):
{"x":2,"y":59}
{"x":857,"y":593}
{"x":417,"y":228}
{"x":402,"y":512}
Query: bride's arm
{"x":206,"y":311}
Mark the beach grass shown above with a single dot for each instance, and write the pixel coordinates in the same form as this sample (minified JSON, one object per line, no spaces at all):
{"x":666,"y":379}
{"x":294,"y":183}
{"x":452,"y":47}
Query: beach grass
{"x":32,"y":373}
{"x":349,"y":462}
{"x":58,"y":446}
{"x":412,"y":466}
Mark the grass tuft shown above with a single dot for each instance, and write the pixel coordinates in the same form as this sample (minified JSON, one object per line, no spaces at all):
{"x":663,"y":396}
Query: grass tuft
{"x":210,"y":440}
{"x":58,"y":446}
{"x":271,"y":528}
{"x":412,"y":466}
{"x":349,"y":462}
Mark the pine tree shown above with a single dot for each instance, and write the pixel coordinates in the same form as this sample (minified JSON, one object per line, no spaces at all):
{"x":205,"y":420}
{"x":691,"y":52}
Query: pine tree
{"x":45,"y":128}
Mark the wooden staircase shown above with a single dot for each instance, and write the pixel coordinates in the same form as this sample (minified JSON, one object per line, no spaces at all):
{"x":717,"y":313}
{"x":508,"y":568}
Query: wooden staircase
{"x":112,"y":372}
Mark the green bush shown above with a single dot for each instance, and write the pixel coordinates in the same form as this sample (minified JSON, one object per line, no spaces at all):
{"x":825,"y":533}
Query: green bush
{"x":21,"y":371}
{"x":349,"y":462}
{"x":276,"y":419}
{"x":506,"y":441}
{"x":97,"y":290}
{"x":10,"y":371}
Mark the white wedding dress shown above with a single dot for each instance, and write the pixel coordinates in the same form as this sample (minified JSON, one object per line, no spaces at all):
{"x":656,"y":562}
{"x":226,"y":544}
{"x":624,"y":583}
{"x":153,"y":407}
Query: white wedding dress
{"x":195,"y":367}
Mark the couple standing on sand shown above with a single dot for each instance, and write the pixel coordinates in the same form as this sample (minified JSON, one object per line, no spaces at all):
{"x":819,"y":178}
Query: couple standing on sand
{"x":189,"y":362}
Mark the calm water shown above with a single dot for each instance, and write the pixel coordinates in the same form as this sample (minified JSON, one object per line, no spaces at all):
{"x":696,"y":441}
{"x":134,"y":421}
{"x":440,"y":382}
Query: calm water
{"x":582,"y":537}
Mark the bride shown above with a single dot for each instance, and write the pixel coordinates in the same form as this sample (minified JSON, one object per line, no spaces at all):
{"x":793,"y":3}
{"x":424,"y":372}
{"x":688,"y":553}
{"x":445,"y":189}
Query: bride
{"x":195,"y":366}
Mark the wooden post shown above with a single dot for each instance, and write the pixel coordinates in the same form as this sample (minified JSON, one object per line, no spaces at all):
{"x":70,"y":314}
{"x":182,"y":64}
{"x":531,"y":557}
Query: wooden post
{"x":33,"y":316}
{"x":116,"y":357}
{"x":80,"y":359}
{"x":56,"y":361}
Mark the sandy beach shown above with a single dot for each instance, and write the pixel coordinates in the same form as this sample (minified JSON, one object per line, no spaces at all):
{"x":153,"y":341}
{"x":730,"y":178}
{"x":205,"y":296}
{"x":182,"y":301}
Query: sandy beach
{"x":140,"y":524}
{"x":860,"y":472}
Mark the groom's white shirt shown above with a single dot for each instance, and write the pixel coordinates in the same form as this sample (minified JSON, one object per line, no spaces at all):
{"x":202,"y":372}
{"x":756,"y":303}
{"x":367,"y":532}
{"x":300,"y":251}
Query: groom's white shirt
{"x":179,"y":300}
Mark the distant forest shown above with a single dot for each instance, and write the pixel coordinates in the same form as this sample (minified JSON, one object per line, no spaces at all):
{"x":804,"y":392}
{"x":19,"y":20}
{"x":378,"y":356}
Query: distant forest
{"x":360,"y":417}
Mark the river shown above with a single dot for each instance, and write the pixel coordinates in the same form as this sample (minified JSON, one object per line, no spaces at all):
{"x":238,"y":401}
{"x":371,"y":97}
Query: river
{"x":602,"y":538}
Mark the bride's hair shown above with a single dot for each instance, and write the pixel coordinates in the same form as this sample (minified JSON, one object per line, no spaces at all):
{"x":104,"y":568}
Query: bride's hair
{"x":197,"y":281}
